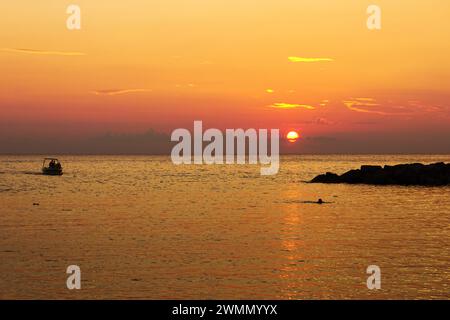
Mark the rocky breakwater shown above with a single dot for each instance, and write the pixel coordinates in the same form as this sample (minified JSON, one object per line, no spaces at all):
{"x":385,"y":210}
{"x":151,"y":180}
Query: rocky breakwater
{"x":436,"y":174}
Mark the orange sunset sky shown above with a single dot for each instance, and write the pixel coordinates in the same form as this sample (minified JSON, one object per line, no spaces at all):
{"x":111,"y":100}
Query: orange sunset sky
{"x":306,"y":65}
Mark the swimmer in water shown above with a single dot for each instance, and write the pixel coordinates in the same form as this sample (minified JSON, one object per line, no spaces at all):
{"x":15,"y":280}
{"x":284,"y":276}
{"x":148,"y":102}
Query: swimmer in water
{"x":320,"y":201}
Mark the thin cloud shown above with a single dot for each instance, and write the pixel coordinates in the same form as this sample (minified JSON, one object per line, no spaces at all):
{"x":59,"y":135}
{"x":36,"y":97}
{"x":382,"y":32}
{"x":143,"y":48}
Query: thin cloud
{"x":365,"y":105}
{"x":283,"y":105}
{"x":324,"y":103}
{"x":361,"y":102}
{"x":301,"y":59}
{"x":43,"y":52}
{"x":116,"y":92}
{"x":324,"y":121}
{"x":426,"y":107}
{"x":317,"y":121}
{"x":356,"y":104}
{"x":367,"y":111}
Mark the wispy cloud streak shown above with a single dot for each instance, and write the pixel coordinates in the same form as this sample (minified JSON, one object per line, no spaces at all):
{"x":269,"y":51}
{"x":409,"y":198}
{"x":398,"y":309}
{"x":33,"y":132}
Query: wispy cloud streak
{"x":116,"y":92}
{"x":283,"y":105}
{"x":301,"y":59}
{"x":366,"y":105}
{"x":358,"y":105}
{"x":43,"y":52}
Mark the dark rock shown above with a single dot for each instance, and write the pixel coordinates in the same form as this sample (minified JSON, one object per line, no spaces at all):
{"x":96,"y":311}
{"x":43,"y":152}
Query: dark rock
{"x":370,"y":169}
{"x":436,"y":174}
{"x":326,"y":178}
{"x":352,"y":176}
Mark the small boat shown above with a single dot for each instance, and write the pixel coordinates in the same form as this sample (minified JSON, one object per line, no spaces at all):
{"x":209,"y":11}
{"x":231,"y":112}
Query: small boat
{"x":52,"y":167}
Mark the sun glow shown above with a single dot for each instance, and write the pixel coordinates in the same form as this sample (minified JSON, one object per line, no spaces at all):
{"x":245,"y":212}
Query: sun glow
{"x":292,"y":136}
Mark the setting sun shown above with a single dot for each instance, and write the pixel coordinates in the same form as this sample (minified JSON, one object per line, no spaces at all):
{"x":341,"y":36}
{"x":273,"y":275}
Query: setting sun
{"x":292,"y":136}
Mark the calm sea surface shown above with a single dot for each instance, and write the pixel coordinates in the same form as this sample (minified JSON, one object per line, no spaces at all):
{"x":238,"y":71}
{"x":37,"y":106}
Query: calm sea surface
{"x":141,"y":227}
